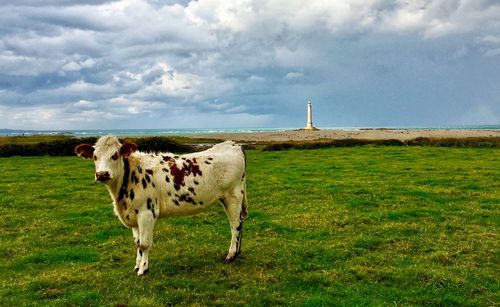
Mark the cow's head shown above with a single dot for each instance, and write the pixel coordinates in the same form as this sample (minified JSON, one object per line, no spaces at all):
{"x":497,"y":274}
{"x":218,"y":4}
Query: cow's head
{"x":108,"y":156}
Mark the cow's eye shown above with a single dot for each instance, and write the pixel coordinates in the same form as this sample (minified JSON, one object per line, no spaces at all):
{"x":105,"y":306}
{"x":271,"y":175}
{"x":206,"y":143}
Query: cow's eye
{"x":115,"y":156}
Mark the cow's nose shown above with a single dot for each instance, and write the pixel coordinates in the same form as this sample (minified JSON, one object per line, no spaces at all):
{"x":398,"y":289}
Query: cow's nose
{"x":102,"y":176}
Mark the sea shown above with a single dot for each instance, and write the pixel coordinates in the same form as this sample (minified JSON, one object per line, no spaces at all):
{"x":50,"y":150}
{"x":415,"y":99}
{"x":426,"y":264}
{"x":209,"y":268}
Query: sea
{"x":174,"y":132}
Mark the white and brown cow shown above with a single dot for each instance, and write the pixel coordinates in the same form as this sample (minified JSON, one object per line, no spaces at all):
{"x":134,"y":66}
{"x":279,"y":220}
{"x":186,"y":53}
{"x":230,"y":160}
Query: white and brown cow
{"x":145,"y":187}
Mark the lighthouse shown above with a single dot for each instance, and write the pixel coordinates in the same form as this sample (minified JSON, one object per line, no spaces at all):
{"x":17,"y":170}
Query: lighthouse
{"x":310,"y":125}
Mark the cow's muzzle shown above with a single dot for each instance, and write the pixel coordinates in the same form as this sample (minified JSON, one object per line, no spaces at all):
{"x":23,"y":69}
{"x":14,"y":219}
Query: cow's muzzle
{"x":102,"y":176}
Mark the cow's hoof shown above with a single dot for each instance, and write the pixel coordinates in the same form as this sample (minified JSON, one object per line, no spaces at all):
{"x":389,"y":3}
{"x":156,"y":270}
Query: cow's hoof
{"x":230,"y":259}
{"x":143,"y":273}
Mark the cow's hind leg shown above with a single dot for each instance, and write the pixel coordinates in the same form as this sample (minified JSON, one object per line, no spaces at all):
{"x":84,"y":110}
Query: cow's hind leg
{"x":233,"y":205}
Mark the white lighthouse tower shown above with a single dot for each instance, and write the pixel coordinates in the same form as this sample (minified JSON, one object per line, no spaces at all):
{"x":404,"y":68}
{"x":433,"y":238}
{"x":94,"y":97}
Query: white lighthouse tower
{"x":310,"y":125}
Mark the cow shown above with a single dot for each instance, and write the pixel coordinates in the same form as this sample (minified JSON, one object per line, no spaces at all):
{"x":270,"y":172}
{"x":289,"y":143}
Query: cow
{"x":147,"y":186}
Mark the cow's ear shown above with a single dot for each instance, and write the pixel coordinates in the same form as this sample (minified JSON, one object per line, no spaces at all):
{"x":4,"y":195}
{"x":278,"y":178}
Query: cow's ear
{"x":85,"y":151}
{"x":127,"y":149}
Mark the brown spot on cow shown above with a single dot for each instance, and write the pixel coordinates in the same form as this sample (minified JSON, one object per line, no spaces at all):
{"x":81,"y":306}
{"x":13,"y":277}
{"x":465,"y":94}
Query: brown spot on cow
{"x":151,"y":206}
{"x":167,"y":158}
{"x":144,"y":183}
{"x":133,"y":177}
{"x":186,"y":198}
{"x":132,"y":194}
{"x":139,"y":169}
{"x":178,"y":175}
{"x":189,"y":167}
{"x":194,"y":169}
{"x":126,"y":172}
{"x":149,"y":171}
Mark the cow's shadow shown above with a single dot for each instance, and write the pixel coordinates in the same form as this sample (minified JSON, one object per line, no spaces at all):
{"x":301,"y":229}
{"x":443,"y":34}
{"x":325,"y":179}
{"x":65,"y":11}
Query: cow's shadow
{"x":194,"y":264}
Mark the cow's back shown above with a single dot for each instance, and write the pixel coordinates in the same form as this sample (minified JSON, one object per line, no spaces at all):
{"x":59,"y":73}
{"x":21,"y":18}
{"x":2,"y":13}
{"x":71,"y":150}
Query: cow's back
{"x":227,"y":162}
{"x":213,"y":174}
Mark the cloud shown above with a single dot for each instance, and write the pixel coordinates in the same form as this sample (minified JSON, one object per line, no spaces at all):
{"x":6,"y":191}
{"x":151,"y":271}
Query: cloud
{"x":100,"y":62}
{"x":433,"y":19}
{"x":489,"y":44}
{"x":73,"y":65}
{"x":294,"y":75}
{"x":490,"y":39}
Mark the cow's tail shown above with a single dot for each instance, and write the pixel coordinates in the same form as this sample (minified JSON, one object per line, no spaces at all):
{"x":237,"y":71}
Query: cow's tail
{"x":244,"y":202}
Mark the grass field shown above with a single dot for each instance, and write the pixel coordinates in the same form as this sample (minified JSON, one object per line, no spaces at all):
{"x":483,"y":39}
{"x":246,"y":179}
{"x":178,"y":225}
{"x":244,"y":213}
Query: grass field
{"x":340,"y":226}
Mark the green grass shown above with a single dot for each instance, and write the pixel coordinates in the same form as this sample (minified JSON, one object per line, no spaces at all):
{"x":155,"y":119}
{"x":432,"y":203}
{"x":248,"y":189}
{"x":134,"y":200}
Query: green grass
{"x":339,"y":226}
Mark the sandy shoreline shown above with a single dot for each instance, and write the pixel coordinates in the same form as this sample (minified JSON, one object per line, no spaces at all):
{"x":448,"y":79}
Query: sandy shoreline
{"x":372,"y":134}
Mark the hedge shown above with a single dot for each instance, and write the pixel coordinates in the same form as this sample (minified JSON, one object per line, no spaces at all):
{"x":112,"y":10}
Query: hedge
{"x":66,"y":147}
{"x":487,"y":142}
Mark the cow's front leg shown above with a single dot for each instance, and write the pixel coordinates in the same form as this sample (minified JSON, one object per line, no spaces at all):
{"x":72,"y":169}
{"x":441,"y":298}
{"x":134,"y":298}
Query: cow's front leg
{"x":135,"y":234}
{"x":146,"y":223}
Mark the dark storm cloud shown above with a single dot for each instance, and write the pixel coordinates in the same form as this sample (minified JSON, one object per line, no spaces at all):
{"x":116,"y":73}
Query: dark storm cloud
{"x":248,"y":63}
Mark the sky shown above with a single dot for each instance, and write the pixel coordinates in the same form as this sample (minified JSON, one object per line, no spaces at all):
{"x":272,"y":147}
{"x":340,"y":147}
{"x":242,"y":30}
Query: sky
{"x":248,"y":63}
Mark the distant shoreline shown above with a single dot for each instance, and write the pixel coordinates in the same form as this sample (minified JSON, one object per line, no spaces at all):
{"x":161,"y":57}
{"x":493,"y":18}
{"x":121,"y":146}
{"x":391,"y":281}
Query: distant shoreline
{"x":336,"y":132}
{"x":369,"y":134}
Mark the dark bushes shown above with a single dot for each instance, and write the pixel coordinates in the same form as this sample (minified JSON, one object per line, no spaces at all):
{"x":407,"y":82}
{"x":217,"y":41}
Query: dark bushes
{"x":52,"y":148}
{"x":491,"y":142}
{"x":66,"y":147}
{"x":333,"y":143}
{"x":160,"y":144}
